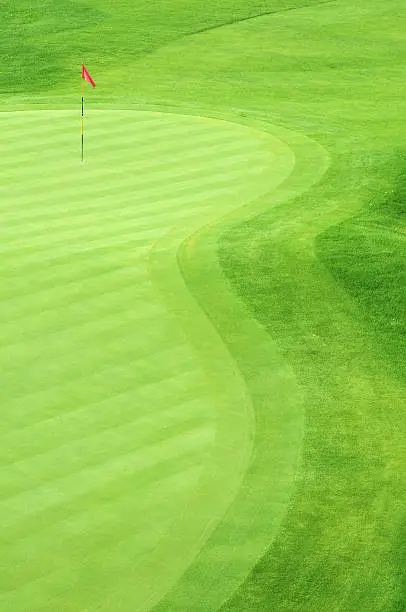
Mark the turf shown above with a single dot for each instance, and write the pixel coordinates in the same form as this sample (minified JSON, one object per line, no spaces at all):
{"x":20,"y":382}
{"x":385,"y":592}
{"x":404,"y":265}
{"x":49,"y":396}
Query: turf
{"x":202,"y":340}
{"x":111,"y":425}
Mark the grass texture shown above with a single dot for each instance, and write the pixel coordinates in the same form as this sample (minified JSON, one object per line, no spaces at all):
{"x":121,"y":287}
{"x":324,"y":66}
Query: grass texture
{"x":203,"y":325}
{"x":112,"y":434}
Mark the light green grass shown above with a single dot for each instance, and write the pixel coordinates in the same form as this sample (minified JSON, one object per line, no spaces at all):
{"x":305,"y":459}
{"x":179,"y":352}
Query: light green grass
{"x":295,"y":301}
{"x":117,"y":435}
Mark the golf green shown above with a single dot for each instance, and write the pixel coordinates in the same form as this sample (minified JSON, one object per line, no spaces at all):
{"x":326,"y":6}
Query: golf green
{"x":123,"y":444}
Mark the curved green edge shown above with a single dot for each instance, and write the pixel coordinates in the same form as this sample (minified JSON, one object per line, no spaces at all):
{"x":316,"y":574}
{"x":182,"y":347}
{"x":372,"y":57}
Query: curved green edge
{"x":223,"y":473}
{"x":206,"y":585}
{"x":235,"y":541}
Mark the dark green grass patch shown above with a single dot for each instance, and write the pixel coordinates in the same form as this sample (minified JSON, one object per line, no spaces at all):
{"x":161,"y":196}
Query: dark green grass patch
{"x":340,"y":542}
{"x":367,"y":255}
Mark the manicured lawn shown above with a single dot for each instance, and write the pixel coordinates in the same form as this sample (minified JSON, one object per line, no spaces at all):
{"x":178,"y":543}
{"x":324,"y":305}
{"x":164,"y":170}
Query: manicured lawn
{"x":202,"y":348}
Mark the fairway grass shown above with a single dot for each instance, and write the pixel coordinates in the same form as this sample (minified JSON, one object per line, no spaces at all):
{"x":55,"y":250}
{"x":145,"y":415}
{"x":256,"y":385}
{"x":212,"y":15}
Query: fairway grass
{"x":202,"y":349}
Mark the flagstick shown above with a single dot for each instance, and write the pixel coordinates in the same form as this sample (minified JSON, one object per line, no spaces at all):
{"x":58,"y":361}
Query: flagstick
{"x":83,"y":119}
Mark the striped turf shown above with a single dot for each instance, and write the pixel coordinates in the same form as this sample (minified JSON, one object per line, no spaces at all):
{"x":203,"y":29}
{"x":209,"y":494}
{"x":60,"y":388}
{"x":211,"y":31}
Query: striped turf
{"x":112,"y":429}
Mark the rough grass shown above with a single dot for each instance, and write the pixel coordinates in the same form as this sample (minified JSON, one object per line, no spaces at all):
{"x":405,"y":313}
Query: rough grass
{"x":37,"y":36}
{"x":367,"y":255}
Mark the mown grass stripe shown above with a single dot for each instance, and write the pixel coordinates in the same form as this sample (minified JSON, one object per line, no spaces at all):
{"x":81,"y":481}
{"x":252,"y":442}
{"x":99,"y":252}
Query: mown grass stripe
{"x":104,"y":203}
{"x":169,"y":196}
{"x":82,"y":190}
{"x":85,"y":237}
{"x":115,"y":405}
{"x":46,"y":466}
{"x":143,"y":187}
{"x":127,"y":213}
{"x":89,"y":510}
{"x":74,"y":270}
{"x":75,"y":276}
{"x":45,"y":436}
{"x":74,"y":286}
{"x":108,"y":325}
{"x":49,"y":133}
{"x":70,"y":398}
{"x":115,"y":554}
{"x":68,"y":487}
{"x":58,"y":216}
{"x":60,"y":363}
{"x":149,"y":509}
{"x":76,"y":312}
{"x":88,"y":524}
{"x":170,"y":142}
{"x":89,"y":362}
{"x":41,"y":258}
{"x":150,"y":159}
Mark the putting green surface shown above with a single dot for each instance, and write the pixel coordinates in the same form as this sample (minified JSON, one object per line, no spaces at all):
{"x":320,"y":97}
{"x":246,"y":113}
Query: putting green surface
{"x":127,"y":426}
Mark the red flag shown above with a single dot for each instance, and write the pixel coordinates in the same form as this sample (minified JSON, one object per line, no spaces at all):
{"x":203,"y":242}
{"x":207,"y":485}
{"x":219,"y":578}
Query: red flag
{"x":87,"y":77}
